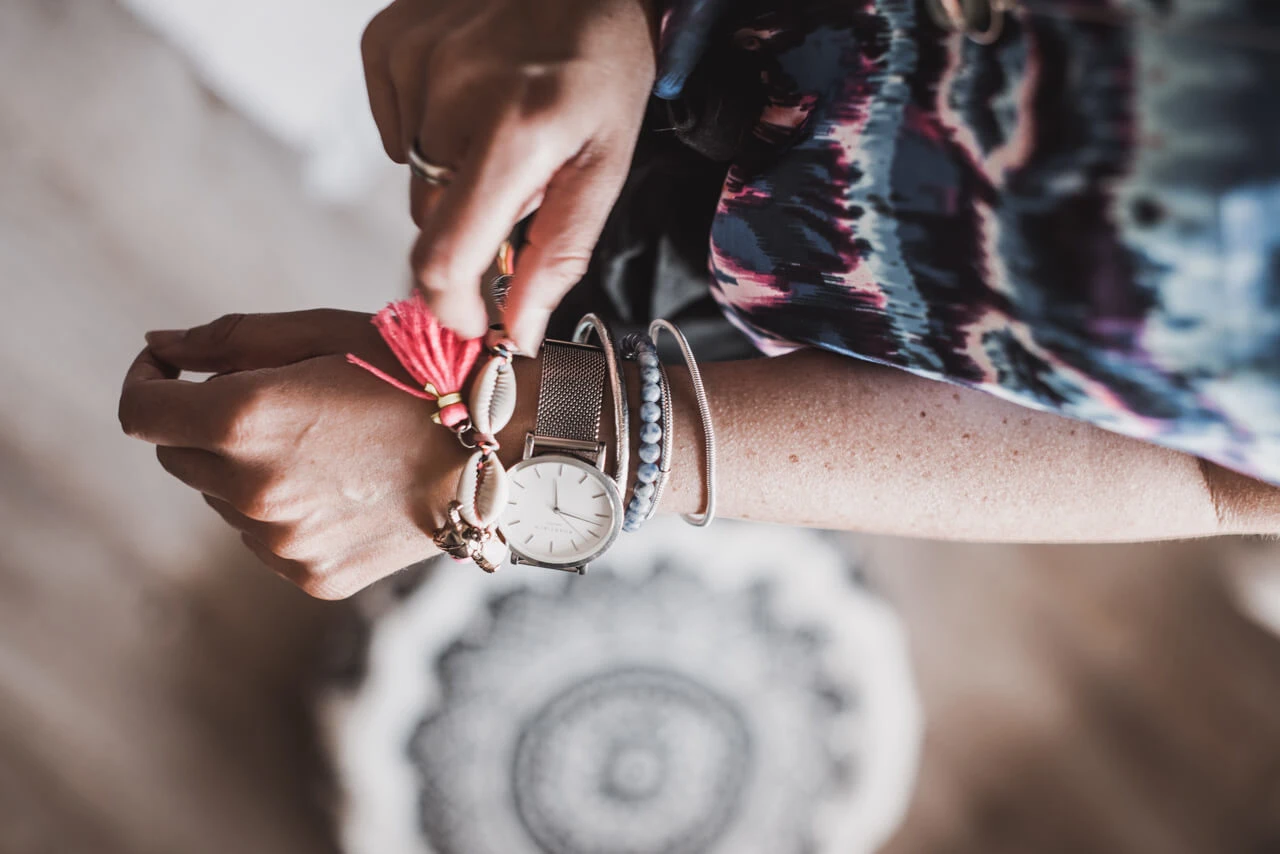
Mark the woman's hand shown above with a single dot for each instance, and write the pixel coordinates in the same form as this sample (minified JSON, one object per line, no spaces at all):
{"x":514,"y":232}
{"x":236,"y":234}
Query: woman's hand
{"x":531,"y":103}
{"x":334,"y":478}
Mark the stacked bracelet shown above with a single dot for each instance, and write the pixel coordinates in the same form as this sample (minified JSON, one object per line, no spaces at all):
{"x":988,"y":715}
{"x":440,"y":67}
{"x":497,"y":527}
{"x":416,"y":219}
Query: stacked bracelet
{"x":618,"y":386}
{"x":668,"y":431}
{"x":654,"y":429}
{"x":704,"y":412}
{"x":472,"y":517}
{"x":441,"y":364}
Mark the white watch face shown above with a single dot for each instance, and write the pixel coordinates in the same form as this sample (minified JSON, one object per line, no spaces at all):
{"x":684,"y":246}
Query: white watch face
{"x":563,"y":511}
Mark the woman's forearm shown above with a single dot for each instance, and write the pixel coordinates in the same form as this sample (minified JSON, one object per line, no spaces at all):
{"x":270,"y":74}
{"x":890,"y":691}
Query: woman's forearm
{"x":821,"y":440}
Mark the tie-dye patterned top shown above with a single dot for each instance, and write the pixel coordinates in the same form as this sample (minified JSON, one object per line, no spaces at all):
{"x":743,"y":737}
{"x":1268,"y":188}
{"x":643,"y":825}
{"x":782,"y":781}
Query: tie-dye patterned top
{"x":1082,"y":218}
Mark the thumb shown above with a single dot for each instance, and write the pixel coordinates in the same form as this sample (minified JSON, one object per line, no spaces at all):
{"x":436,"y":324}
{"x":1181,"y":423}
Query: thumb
{"x":249,"y":342}
{"x":561,"y":238}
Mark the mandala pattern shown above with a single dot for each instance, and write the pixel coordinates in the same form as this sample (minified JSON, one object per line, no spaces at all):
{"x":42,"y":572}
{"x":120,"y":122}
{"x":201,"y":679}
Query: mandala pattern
{"x":649,"y":755}
{"x":693,"y":694}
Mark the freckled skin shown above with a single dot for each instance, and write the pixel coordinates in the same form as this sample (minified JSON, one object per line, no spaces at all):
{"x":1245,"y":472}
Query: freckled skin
{"x":969,"y":472}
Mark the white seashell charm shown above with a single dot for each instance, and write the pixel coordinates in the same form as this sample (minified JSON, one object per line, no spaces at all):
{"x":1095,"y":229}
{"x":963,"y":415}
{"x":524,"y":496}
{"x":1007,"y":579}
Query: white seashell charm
{"x":482,"y":491}
{"x":493,"y":398}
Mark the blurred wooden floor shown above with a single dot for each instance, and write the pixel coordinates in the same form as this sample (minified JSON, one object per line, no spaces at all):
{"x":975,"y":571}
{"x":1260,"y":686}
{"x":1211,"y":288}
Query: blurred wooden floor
{"x":152,"y":680}
{"x":1088,"y":699}
{"x":150,"y":675}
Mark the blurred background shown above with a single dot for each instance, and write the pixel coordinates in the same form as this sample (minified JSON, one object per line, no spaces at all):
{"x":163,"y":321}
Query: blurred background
{"x":166,"y":161}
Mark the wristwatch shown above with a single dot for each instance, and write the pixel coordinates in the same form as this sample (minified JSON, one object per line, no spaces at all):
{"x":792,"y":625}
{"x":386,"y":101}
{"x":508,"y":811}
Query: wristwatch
{"x":564,"y":510}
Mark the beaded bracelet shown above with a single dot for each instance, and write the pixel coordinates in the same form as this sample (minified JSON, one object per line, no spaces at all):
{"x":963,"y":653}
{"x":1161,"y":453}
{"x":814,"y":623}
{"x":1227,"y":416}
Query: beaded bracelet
{"x":668,"y":432}
{"x":655,"y":421}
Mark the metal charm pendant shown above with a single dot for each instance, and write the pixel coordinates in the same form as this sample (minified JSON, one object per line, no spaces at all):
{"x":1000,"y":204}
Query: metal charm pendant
{"x":463,"y":541}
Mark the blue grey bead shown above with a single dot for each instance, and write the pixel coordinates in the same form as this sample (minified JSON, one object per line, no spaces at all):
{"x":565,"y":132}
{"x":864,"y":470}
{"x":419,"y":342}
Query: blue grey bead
{"x":650,"y":392}
{"x":630,"y":528}
{"x":647,"y":473}
{"x":644,"y":490}
{"x":649,"y":453}
{"x":650,"y":433}
{"x":647,"y":359}
{"x":640,"y":505}
{"x":650,"y":375}
{"x":650,"y":412}
{"x":633,"y":517}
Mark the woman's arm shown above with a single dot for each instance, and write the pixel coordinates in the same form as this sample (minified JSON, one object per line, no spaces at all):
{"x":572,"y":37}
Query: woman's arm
{"x":335,"y":479}
{"x":821,"y":440}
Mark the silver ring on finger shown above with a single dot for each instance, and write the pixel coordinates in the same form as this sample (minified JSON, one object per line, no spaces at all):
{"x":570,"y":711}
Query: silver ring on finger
{"x":426,"y":171}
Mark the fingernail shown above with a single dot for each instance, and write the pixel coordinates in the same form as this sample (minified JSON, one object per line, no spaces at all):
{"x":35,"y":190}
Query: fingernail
{"x":471,"y":330}
{"x":160,"y":338}
{"x":465,"y":324}
{"x":529,"y":330}
{"x":462,"y":317}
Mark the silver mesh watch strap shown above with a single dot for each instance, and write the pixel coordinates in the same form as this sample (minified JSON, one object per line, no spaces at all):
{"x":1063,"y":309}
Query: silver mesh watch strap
{"x":570,"y":399}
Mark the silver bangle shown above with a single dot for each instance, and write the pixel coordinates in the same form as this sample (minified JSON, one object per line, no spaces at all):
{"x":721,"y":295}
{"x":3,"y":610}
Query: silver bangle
{"x":621,"y":422}
{"x":704,"y":411}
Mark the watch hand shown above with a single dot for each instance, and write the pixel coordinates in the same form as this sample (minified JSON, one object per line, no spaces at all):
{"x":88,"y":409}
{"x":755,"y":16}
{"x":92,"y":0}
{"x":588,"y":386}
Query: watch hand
{"x":579,"y":518}
{"x":570,"y":524}
{"x":555,"y":496}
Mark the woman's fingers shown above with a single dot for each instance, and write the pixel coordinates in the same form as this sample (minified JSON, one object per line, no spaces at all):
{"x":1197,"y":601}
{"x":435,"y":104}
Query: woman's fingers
{"x":290,"y":570}
{"x":157,"y":408}
{"x":518,"y":100}
{"x":540,"y":150}
{"x":248,"y":342}
{"x":203,"y":471}
{"x":507,"y":167}
{"x":281,"y":548}
{"x":422,"y":198}
{"x":263,"y":532}
{"x":228,"y":485}
{"x":409,"y":61}
{"x":386,"y":114}
{"x":561,"y":238}
{"x":443,"y":118}
{"x":307,"y":575}
{"x":149,"y":367}
{"x":375,"y":49}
